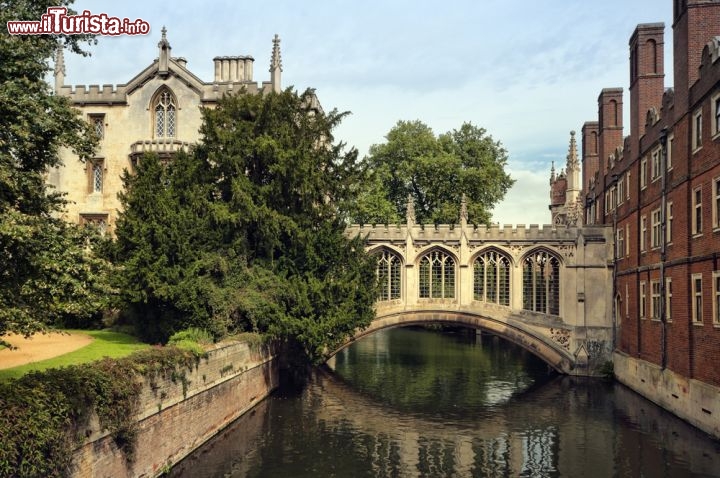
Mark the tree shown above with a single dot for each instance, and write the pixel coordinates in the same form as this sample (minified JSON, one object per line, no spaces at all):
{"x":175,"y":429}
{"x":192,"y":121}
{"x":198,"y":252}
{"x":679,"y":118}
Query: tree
{"x":435,"y":172}
{"x":47,"y":269}
{"x":245,"y":232}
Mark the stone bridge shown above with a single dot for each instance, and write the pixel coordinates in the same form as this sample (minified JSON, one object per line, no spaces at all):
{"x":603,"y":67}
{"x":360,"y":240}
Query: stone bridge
{"x":547,"y":289}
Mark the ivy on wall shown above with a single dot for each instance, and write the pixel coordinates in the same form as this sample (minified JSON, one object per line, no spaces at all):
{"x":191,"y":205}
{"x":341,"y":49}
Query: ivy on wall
{"x":45,"y":416}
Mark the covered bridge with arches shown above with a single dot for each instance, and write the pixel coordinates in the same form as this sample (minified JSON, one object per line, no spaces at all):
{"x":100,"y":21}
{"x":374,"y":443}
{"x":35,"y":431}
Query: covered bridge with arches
{"x":547,"y":289}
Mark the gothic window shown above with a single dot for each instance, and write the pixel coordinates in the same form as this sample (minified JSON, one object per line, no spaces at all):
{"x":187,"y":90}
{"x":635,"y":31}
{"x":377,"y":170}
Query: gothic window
{"x":98,"y":220}
{"x":541,"y":283}
{"x":492,"y":278}
{"x":164,"y":114}
{"x":437,"y":276}
{"x":98,"y":123}
{"x":95,"y":172}
{"x":388,"y":275}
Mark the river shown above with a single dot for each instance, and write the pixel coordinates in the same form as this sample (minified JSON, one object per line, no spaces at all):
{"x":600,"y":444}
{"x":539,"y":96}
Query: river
{"x":412,"y":402}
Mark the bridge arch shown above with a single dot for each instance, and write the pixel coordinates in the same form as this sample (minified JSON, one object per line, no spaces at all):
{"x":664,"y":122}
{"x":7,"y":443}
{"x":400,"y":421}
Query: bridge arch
{"x":557,"y":358}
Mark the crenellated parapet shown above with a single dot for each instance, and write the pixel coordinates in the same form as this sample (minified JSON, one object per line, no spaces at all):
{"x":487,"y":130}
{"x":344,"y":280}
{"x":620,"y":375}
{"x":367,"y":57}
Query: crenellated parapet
{"x":480,"y":233}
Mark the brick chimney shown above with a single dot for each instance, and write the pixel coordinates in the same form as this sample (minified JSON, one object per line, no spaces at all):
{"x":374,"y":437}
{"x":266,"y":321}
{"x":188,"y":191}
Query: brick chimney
{"x":696,"y":22}
{"x":589,"y":155}
{"x":647,"y":77}
{"x":610,"y":126}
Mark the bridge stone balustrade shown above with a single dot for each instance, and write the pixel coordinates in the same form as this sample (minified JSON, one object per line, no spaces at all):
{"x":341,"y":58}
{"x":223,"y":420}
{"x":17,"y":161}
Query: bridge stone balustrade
{"x":562,"y":313}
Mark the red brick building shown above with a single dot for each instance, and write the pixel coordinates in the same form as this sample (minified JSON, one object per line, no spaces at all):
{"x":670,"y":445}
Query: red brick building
{"x":659,"y":188}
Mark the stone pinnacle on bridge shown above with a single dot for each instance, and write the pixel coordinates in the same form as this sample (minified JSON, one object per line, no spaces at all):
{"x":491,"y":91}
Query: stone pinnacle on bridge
{"x":410,"y":211}
{"x":463,"y":211}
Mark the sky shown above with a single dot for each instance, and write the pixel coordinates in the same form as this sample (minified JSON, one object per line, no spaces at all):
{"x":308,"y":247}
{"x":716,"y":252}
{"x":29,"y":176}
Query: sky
{"x":528,"y":71}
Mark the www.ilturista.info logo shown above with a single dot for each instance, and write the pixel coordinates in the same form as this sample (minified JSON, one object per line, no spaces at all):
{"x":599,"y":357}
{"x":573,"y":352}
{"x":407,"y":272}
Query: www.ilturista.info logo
{"x":57,"y":21}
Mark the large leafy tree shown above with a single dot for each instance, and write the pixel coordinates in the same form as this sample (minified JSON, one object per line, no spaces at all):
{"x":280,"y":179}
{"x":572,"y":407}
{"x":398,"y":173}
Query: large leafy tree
{"x":435,"y":172}
{"x":47,"y":269}
{"x":244,"y":233}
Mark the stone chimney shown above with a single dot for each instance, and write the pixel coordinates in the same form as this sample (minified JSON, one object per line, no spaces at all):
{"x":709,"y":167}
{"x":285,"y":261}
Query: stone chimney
{"x":231,"y":69}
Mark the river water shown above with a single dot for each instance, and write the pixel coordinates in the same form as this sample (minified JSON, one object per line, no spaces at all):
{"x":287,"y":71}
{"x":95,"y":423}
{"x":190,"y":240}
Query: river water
{"x":419,"y":403}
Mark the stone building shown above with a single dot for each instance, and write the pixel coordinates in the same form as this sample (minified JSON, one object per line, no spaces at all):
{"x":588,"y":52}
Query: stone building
{"x":159,"y":110}
{"x":659,"y":190}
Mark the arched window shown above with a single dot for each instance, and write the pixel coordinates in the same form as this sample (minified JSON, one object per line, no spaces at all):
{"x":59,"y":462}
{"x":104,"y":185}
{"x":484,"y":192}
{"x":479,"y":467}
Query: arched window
{"x":164,"y":109}
{"x":388,"y":275}
{"x":492,"y":278}
{"x":541,"y":283}
{"x":437,"y":276}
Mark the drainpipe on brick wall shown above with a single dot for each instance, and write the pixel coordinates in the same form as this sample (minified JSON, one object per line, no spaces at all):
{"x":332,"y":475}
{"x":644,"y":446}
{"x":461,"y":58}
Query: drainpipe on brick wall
{"x":663,"y":244}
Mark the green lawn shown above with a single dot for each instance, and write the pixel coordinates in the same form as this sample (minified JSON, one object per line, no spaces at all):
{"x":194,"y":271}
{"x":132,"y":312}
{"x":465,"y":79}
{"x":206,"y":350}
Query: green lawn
{"x":105,"y":344}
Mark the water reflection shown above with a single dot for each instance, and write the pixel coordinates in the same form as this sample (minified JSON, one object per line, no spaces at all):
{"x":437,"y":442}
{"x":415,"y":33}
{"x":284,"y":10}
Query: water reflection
{"x":410,"y":403}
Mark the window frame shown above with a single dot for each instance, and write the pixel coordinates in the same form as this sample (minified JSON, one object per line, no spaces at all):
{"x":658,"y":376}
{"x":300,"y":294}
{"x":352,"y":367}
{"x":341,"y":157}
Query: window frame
{"x":172,"y":106}
{"x":716,"y":298}
{"x":656,"y":228}
{"x":448,"y":289}
{"x":643,"y":173}
{"x":716,"y":203}
{"x":696,"y":221}
{"x":668,"y":299}
{"x":696,"y":299}
{"x":542,"y":295}
{"x":643,"y":299}
{"x":97,"y":120}
{"x":655,"y":166}
{"x":668,"y":222}
{"x":655,"y":299}
{"x":696,"y":137}
{"x":643,"y":233}
{"x":95,"y":167}
{"x":715,"y":117}
{"x":389,"y":265}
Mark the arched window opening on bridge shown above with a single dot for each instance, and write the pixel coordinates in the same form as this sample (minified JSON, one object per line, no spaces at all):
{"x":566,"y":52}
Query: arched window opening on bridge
{"x":437,"y":276}
{"x":492,"y":278}
{"x":388,"y":275}
{"x":541,"y":283}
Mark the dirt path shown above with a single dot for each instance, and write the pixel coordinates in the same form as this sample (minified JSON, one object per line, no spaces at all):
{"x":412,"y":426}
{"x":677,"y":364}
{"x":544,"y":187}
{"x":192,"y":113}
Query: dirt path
{"x":40,"y":347}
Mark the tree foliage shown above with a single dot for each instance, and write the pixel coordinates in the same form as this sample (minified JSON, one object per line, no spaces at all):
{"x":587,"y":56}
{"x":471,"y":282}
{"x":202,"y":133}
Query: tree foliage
{"x":435,"y":171}
{"x":47,"y":269}
{"x":243,"y":233}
